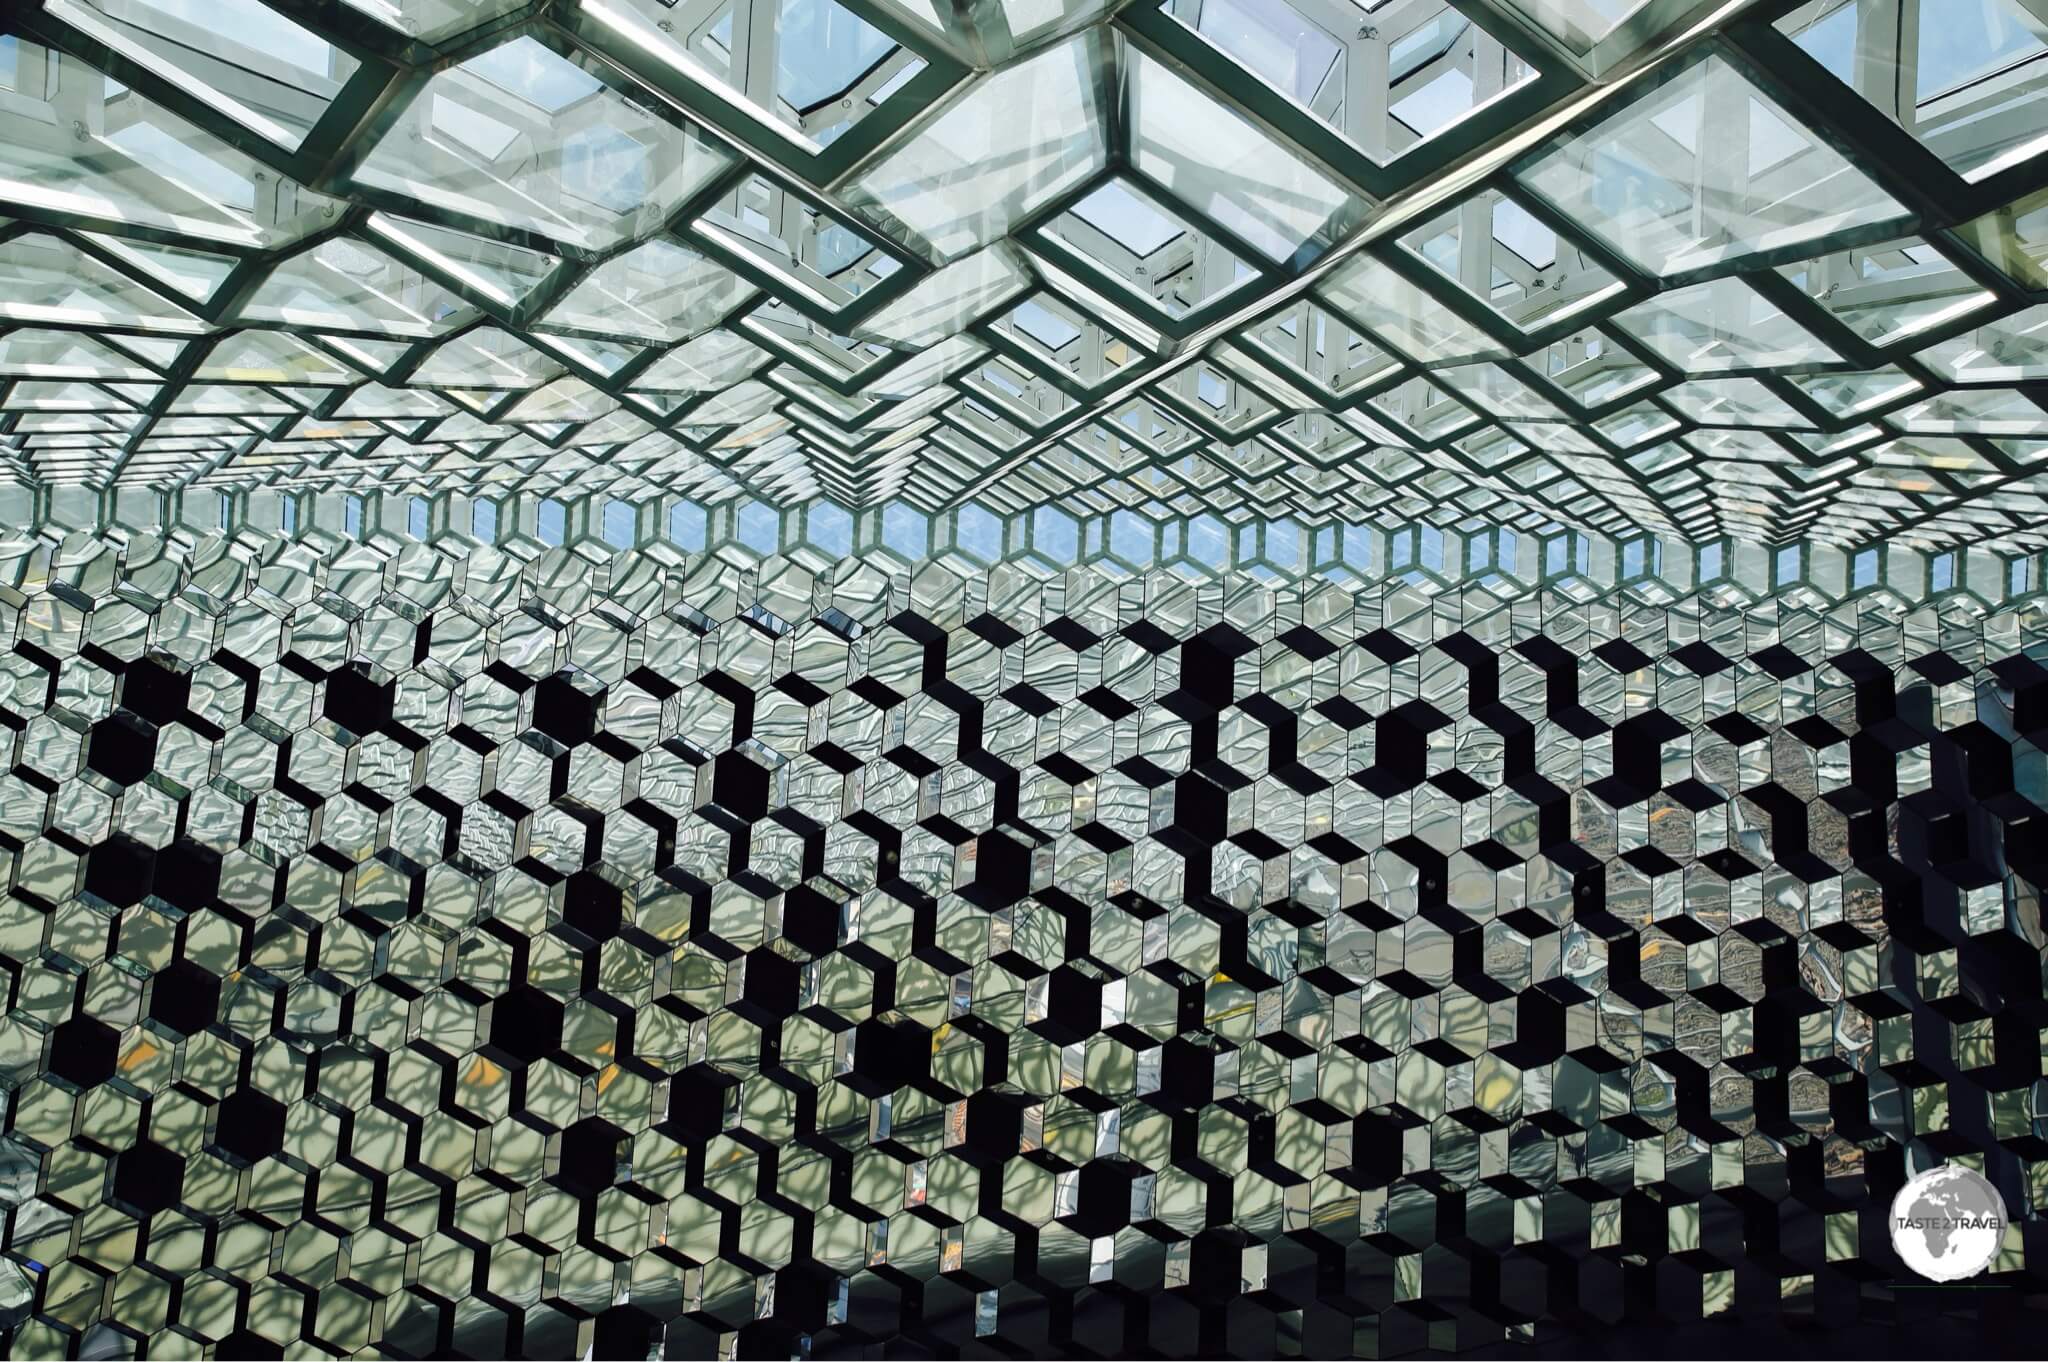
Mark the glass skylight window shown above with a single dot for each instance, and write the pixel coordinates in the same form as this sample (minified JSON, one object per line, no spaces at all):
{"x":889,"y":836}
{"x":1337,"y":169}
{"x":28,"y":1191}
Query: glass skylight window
{"x":255,"y":65}
{"x":1967,"y":82}
{"x":1158,"y":258}
{"x":1666,"y":184}
{"x":530,"y":72}
{"x":810,"y":70}
{"x":1208,"y":286}
{"x":523,"y":137}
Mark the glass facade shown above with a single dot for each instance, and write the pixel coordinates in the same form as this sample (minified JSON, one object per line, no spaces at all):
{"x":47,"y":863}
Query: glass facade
{"x":865,"y":677}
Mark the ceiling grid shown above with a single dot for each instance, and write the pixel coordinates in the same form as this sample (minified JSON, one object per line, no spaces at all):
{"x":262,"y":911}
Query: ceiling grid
{"x":1715,"y":273}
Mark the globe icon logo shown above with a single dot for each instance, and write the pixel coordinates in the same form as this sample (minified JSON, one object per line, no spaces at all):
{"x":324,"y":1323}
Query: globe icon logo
{"x":1948,"y":1223}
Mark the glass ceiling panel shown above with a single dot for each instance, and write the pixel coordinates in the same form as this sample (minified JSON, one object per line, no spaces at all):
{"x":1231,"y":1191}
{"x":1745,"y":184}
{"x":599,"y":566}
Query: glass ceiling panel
{"x":1240,"y":178}
{"x":500,"y":273}
{"x":806,"y":250}
{"x":2014,"y":238}
{"x":271,"y":75}
{"x":433,"y":21}
{"x":1387,"y":83}
{"x":811,"y":69}
{"x":46,"y":279}
{"x":1152,"y":286}
{"x":1004,"y":146}
{"x":524,"y":137}
{"x":947,"y":300}
{"x":1503,"y":256}
{"x":1582,"y":22}
{"x":346,"y":285}
{"x":1705,"y":168}
{"x":1161,"y":262}
{"x":658,"y":291}
{"x":195,"y":274}
{"x":1726,"y":324}
{"x":1408,"y":318}
{"x":80,"y":146}
{"x":1893,"y":291}
{"x":1967,"y":81}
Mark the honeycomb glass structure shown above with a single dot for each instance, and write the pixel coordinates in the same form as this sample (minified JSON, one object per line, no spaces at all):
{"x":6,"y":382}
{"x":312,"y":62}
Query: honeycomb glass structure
{"x":949,"y":678}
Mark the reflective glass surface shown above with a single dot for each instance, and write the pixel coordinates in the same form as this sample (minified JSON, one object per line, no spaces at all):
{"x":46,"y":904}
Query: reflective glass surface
{"x":1202,"y":284}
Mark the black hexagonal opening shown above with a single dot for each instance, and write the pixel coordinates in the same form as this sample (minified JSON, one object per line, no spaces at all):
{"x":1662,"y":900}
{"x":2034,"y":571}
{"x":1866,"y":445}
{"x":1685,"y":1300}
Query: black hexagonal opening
{"x":891,"y":1052}
{"x":188,"y":875}
{"x":696,"y":1103}
{"x":592,"y":1155}
{"x":592,"y":905}
{"x":526,"y":1024}
{"x":565,"y":712}
{"x":624,"y":1331}
{"x":1208,"y":664}
{"x":1946,"y":833}
{"x":1002,"y":872}
{"x":1540,"y":1030}
{"x":249,"y":1346}
{"x":1187,"y":1075}
{"x":769,"y":987}
{"x":149,"y":1177}
{"x":804,"y":1292}
{"x":739,"y":785}
{"x":1216,"y":1264}
{"x":249,"y":1125}
{"x":122,"y":747}
{"x":184,"y":997}
{"x":120,"y":870}
{"x":84,"y":1051}
{"x":810,"y":920}
{"x":995,"y":1122}
{"x":1376,"y":1146}
{"x":1073,"y":1007}
{"x":1104,"y":1198}
{"x":357,"y":701}
{"x":155,"y":691}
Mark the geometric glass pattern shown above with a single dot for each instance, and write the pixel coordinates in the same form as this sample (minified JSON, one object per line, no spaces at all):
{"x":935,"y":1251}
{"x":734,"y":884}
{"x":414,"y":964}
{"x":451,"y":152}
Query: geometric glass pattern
{"x":1097,"y":677}
{"x":1191,"y":275}
{"x":646,"y":957}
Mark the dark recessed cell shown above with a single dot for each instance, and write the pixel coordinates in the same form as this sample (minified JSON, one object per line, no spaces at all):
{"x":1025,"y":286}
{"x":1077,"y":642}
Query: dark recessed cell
{"x":770,"y":982}
{"x":148,"y":1177}
{"x":811,"y":920}
{"x":565,"y":712}
{"x":1002,"y":872}
{"x":120,"y":870}
{"x":84,"y":1051}
{"x":357,"y":701}
{"x":188,"y":875}
{"x":1073,"y":1006}
{"x":250,"y":1125}
{"x":697,"y":1100}
{"x":254,"y":1347}
{"x":591,"y":904}
{"x":122,"y":747}
{"x":994,"y":1124}
{"x":526,"y":1024}
{"x":891,"y":1052}
{"x":740,"y":785}
{"x":592,"y":1154}
{"x":184,"y":997}
{"x":156,"y":692}
{"x":1103,"y":1197}
{"x":1186,"y":1075}
{"x":624,"y":1331}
